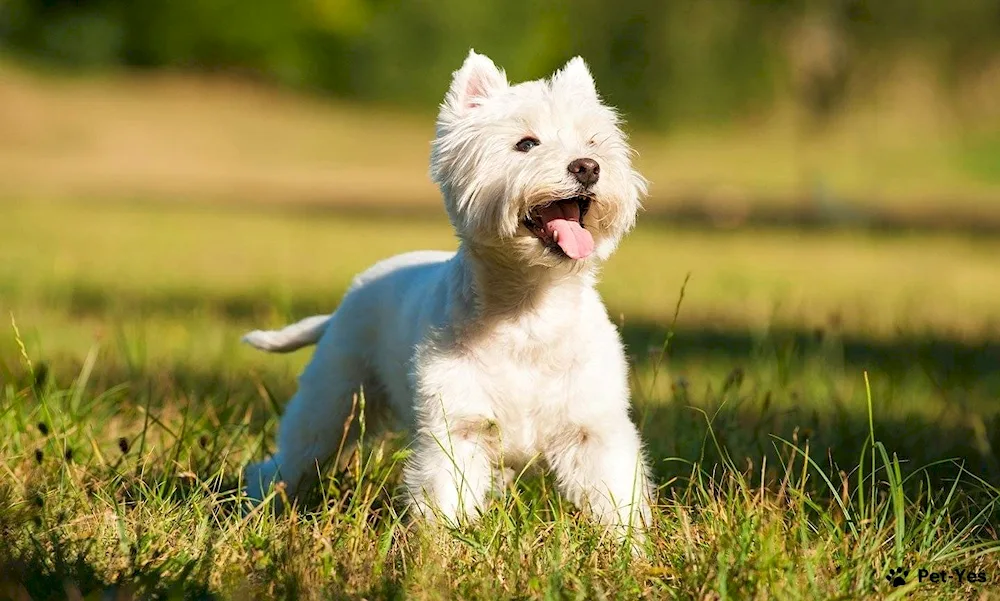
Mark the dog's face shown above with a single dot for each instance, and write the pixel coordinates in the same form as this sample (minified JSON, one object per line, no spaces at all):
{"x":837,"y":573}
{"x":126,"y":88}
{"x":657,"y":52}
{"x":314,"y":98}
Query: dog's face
{"x":540,"y":171}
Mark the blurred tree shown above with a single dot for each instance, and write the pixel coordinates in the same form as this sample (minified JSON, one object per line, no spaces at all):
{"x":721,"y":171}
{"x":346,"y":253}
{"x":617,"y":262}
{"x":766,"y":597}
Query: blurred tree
{"x":661,"y":61}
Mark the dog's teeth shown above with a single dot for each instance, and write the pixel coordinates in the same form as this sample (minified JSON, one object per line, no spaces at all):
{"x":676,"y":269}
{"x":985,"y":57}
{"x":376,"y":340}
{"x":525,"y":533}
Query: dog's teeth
{"x":555,"y":236}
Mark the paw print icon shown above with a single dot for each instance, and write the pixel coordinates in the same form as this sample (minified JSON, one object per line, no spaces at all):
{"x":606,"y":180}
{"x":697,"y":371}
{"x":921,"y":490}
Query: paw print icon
{"x":897,"y":577}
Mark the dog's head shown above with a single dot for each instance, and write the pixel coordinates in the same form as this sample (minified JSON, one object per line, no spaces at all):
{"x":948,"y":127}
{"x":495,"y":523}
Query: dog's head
{"x":540,"y":172}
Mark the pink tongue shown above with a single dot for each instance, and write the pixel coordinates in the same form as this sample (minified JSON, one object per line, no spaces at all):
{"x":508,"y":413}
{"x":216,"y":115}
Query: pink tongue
{"x":563,"y":219}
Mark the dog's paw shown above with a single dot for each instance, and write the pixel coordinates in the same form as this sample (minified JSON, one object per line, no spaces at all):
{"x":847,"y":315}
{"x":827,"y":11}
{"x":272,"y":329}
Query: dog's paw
{"x":258,"y":479}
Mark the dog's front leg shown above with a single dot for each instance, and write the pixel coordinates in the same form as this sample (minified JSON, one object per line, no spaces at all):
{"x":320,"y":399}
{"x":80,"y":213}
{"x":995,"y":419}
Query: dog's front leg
{"x":599,"y":466}
{"x":451,"y":471}
{"x":455,"y":442}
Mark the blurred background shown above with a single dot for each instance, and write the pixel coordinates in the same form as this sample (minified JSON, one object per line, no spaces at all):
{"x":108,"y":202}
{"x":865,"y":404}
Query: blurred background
{"x":789,"y":109}
{"x":173,"y":172}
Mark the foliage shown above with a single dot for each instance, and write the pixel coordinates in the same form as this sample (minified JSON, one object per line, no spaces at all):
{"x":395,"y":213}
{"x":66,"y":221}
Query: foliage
{"x":660,"y":61}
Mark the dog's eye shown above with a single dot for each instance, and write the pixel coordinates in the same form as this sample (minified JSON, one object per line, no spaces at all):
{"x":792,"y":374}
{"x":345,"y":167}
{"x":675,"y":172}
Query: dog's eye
{"x":526,"y":144}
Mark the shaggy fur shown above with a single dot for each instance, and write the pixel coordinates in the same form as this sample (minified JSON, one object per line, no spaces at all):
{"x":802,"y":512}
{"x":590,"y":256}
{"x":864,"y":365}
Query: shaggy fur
{"x":501,"y":352}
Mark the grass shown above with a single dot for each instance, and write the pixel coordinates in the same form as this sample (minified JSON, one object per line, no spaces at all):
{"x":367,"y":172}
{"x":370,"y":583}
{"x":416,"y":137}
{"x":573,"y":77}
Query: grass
{"x":131,"y":489}
{"x":821,"y":410}
{"x":153,"y":513}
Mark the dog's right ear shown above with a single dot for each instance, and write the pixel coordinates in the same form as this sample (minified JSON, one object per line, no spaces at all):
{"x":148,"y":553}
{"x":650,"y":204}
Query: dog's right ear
{"x":477,"y":80}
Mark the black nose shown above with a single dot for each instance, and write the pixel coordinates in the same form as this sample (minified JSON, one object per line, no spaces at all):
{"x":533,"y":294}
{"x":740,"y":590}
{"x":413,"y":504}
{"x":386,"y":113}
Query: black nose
{"x":586,"y":171}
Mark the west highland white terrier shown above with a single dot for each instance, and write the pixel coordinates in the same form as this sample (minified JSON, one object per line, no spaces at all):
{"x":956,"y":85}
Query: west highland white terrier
{"x":501,"y":352}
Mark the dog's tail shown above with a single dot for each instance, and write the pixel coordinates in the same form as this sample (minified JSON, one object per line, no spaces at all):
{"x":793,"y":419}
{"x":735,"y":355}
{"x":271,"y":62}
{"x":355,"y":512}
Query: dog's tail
{"x":289,"y":338}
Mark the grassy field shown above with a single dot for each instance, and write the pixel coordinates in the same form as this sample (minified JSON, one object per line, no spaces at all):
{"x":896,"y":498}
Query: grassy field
{"x":128,"y":408}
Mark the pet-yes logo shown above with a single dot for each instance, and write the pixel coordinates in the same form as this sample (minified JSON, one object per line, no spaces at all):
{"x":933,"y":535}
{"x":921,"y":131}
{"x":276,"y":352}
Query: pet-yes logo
{"x":899,"y":576}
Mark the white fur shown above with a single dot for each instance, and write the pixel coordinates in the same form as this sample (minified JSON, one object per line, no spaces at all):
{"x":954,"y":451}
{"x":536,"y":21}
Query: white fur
{"x":502,"y":352}
{"x":290,"y":338}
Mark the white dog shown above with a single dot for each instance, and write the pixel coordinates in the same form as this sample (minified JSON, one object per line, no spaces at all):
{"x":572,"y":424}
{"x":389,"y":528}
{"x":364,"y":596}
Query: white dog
{"x":501,"y":352}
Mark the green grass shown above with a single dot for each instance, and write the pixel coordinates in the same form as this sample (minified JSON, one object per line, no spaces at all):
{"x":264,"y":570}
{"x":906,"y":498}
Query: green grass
{"x":128,"y":409}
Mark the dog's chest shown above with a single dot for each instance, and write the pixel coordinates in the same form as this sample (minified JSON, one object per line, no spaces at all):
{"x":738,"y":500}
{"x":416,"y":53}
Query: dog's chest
{"x":534,"y":343}
{"x":528,"y":367}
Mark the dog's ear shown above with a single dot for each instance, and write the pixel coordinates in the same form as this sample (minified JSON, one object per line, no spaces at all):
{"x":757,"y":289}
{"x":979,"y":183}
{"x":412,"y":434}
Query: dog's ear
{"x":575,"y":77}
{"x":477,"y":80}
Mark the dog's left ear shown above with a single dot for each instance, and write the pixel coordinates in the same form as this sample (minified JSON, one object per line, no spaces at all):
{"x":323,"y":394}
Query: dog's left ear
{"x":576,"y":77}
{"x":477,"y":80}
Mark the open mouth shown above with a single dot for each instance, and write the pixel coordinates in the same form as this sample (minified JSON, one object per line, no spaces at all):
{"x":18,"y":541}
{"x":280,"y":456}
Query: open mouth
{"x":560,"y":227}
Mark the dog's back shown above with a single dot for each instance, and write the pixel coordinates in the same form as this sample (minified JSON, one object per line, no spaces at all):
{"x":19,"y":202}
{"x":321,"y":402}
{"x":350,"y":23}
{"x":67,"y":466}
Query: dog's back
{"x":309,"y":330}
